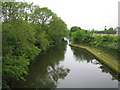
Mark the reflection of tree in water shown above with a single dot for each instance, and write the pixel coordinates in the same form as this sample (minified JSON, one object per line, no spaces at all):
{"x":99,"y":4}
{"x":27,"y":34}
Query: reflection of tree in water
{"x":48,"y":79}
{"x":105,"y":69}
{"x":45,"y":71}
{"x":57,"y":73}
{"x":82,"y":55}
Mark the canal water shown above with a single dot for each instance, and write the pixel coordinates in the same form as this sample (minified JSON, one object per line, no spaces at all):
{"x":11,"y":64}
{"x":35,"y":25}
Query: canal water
{"x":68,"y":67}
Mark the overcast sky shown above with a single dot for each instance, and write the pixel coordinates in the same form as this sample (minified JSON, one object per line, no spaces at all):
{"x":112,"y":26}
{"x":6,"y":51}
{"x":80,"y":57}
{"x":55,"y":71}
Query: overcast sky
{"x":87,"y":14}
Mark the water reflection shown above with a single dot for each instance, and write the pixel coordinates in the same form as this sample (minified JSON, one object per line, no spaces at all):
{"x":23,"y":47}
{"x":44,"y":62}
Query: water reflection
{"x":83,"y":56}
{"x":105,"y":69}
{"x":46,"y":71}
{"x":68,"y":67}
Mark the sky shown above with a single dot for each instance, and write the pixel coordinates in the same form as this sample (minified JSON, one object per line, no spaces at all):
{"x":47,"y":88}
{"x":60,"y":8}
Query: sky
{"x":87,"y":14}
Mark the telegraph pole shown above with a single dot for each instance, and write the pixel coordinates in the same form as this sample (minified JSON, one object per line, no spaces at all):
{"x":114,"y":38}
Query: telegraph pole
{"x":118,"y":29}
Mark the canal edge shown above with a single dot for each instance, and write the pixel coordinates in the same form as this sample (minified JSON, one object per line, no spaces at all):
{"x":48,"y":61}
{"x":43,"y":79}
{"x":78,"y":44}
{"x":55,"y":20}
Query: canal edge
{"x":98,"y":57}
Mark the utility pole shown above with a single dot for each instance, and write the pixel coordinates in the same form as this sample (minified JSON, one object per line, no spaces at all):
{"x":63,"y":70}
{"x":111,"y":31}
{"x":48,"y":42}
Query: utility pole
{"x":118,"y":29}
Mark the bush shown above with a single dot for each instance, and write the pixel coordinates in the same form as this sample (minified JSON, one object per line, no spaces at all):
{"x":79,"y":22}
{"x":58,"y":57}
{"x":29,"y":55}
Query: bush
{"x":106,"y":41}
{"x":81,"y":36}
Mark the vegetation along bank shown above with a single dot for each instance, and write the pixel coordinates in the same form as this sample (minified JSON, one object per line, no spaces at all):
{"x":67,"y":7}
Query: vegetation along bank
{"x":104,"y":48}
{"x":27,"y":30}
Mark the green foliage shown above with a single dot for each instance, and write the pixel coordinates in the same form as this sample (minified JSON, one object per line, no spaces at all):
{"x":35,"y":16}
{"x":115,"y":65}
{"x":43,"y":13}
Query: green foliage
{"x":81,"y":36}
{"x":86,"y":37}
{"x":106,"y":31}
{"x":106,"y":41}
{"x":42,"y":40}
{"x":14,"y":66}
{"x":14,"y":10}
{"x":18,"y":49}
{"x":74,"y":28}
{"x":57,"y":30}
{"x":27,"y":29}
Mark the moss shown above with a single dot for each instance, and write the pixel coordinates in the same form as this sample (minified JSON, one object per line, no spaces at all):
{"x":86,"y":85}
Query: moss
{"x":99,"y":56}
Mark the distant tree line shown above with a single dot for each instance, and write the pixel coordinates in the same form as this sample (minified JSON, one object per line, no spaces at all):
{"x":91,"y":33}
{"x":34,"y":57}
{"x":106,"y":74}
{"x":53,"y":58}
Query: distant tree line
{"x":81,"y":36}
{"x":105,"y":31}
{"x":27,"y":29}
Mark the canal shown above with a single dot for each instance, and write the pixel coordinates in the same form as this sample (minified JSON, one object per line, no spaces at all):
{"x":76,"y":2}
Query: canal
{"x":63,"y":66}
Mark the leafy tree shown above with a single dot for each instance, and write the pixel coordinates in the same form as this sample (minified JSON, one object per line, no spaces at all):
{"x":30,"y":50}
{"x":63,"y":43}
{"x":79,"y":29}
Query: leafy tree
{"x":81,"y":36}
{"x":15,"y":10}
{"x":18,"y":49}
{"x":57,"y":30}
{"x":74,"y":28}
{"x":27,"y":30}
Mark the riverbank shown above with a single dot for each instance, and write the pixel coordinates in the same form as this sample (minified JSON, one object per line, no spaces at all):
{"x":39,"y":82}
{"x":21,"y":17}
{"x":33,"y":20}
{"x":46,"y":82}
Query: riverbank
{"x":101,"y":56}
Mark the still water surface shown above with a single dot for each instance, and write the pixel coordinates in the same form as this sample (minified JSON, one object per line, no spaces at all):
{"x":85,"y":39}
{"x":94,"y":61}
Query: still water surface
{"x":67,"y":67}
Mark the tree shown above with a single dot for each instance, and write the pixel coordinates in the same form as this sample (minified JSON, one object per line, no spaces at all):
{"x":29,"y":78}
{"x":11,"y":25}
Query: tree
{"x":81,"y":36}
{"x":15,"y":10}
{"x":27,"y":30}
{"x":74,"y":28}
{"x":18,"y":49}
{"x":57,"y":30}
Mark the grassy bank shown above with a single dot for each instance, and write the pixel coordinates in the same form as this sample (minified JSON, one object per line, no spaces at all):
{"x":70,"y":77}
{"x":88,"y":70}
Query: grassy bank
{"x":101,"y":56}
